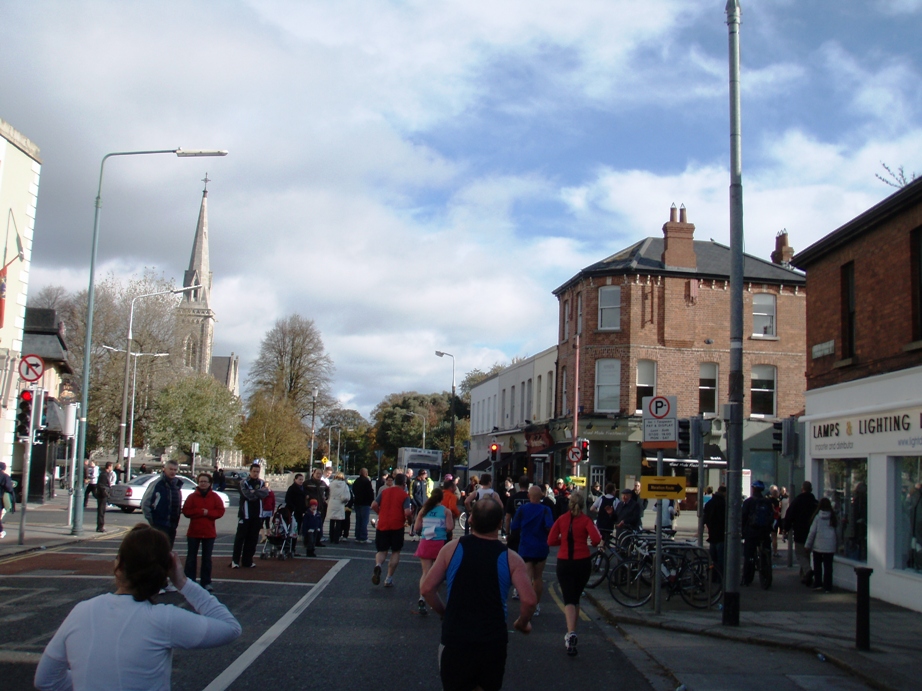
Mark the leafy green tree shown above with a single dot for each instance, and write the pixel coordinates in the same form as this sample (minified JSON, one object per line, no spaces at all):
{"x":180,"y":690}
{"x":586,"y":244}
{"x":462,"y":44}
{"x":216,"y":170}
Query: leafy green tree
{"x":273,"y":431}
{"x":474,"y":377}
{"x":196,"y":408}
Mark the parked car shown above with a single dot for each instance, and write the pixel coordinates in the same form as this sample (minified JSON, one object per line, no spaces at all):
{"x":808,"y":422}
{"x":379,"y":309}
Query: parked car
{"x":127,"y":496}
{"x":233,"y":478}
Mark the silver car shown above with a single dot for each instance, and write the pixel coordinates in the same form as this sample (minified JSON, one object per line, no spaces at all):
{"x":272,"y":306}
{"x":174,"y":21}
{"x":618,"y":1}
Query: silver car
{"x":127,"y":496}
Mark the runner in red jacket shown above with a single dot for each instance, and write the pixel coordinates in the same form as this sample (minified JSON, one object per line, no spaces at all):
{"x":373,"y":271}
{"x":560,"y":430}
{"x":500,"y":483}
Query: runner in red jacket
{"x":203,"y":507}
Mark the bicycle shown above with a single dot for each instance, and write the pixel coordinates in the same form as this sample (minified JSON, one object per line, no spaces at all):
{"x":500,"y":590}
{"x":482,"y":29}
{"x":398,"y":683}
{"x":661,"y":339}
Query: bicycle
{"x":761,"y":562}
{"x":625,"y":546}
{"x":695,"y":579}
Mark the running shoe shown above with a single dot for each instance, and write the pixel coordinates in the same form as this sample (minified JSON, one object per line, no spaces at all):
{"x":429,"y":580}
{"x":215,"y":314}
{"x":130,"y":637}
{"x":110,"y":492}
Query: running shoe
{"x":376,"y":576}
{"x":570,"y":640}
{"x":421,"y":605}
{"x":209,"y":588}
{"x":234,"y":565}
{"x":388,"y":582}
{"x":515,"y":594}
{"x":537,"y":610}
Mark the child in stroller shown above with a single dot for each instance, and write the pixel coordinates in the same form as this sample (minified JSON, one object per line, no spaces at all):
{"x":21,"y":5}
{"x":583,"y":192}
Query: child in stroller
{"x":310,"y":528}
{"x":281,"y":535}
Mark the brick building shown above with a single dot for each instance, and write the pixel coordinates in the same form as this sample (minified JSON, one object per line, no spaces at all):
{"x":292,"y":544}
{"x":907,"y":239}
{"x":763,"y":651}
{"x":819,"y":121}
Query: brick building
{"x":864,"y":390}
{"x":654,"y":319}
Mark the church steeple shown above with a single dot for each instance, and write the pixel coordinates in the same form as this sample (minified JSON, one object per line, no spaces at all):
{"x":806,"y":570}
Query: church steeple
{"x":195,"y":318}
{"x":199,"y":271}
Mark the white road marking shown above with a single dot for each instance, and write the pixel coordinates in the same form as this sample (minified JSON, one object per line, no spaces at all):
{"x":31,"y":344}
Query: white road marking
{"x":240,"y":665}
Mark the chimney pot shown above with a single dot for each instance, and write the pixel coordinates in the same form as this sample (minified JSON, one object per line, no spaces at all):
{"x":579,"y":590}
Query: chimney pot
{"x":683,"y":218}
{"x":672,"y":214}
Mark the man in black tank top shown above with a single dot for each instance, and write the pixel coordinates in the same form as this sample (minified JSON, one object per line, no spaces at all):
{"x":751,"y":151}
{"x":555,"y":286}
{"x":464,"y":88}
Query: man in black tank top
{"x":479,"y":571}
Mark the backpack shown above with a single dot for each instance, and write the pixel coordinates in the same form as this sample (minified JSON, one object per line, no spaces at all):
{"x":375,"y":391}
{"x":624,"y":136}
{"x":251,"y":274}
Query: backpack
{"x":762,"y":515}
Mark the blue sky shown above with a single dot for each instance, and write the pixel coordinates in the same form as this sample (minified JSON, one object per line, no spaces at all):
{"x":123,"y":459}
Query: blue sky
{"x":420,"y":175}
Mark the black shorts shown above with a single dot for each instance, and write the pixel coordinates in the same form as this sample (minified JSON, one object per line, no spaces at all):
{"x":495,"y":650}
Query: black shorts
{"x":573,"y":575}
{"x":534,"y":560}
{"x":389,"y":540}
{"x":464,"y":668}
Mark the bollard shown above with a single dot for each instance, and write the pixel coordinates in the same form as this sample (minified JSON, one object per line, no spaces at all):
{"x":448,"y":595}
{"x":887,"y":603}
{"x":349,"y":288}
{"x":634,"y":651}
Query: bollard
{"x":863,"y":621}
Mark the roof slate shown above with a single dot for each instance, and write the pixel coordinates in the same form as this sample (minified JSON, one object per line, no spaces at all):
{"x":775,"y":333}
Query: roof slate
{"x":713,"y":259}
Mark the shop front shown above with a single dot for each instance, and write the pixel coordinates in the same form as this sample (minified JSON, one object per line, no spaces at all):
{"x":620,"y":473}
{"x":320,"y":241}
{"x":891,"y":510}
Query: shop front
{"x":868,"y":462}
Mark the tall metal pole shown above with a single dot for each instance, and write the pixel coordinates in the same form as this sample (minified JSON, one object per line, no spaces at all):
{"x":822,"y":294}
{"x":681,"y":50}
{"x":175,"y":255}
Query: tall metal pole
{"x":451,"y":448}
{"x":732,"y":570}
{"x":313,"y":421}
{"x":658,"y":557}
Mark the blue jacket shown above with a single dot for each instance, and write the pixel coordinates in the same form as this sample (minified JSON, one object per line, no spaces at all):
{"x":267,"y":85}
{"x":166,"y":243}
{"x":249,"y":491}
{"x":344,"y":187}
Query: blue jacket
{"x":162,"y":502}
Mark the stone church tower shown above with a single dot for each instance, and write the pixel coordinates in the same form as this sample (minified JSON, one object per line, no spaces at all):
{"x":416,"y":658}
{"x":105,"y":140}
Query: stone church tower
{"x":194,"y":316}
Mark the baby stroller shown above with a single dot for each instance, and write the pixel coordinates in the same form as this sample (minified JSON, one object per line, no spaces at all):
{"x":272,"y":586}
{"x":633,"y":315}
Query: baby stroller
{"x":282,"y":535}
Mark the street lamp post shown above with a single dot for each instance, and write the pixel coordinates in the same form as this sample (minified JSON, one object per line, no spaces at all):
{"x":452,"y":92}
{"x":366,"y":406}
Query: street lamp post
{"x":134,"y":383}
{"x":451,"y":448}
{"x":423,"y":418}
{"x":124,"y":419}
{"x":88,"y":342}
{"x":330,"y":440}
{"x":313,"y":420}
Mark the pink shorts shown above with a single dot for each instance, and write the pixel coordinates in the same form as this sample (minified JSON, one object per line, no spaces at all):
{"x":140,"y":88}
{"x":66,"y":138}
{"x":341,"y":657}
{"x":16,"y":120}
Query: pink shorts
{"x":429,"y":549}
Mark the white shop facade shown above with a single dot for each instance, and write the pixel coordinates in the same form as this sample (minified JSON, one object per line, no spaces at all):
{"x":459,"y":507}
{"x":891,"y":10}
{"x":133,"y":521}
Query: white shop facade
{"x":864,"y":452}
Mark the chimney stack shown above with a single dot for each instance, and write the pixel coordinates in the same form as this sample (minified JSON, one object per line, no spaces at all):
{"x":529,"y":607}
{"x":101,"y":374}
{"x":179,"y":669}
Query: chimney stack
{"x":783,"y":252}
{"x":679,"y":248}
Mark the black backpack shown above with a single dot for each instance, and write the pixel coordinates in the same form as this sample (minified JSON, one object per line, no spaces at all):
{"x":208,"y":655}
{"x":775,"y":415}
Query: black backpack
{"x":763,"y":514}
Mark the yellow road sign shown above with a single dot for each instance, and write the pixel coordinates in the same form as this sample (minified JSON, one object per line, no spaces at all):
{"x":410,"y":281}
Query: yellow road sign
{"x":578,"y":481}
{"x":662,"y":487}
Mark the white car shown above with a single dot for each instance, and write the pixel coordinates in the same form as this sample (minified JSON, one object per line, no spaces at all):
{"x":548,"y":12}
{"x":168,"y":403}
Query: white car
{"x":128,"y":496}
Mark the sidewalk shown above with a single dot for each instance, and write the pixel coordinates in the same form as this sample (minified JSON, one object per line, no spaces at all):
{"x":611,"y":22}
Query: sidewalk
{"x":46,"y":527}
{"x":794,"y":617}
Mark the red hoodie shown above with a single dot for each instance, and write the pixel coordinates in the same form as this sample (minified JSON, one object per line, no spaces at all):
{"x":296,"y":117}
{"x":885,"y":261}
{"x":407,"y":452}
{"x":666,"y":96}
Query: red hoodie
{"x":200,"y":525}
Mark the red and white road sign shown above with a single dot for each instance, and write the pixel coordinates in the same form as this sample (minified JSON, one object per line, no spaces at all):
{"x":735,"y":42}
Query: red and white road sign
{"x":659,"y":407}
{"x":31,"y":367}
{"x":574,"y":454}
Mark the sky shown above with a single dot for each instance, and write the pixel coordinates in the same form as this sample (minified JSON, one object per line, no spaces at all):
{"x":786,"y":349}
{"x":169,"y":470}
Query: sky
{"x":418,"y":176}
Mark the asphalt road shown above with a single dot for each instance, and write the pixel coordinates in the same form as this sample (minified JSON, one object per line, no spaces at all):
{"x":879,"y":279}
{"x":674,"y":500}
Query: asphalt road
{"x":314,"y":624}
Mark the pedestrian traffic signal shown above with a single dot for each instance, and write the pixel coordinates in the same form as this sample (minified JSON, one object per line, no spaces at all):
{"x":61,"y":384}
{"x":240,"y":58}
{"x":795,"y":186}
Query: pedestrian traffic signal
{"x":494,"y":452}
{"x":778,"y":436}
{"x":584,"y":449}
{"x":24,"y":415}
{"x":684,"y":434}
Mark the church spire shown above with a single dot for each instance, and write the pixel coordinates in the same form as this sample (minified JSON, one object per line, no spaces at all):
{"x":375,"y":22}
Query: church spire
{"x":199,"y":271}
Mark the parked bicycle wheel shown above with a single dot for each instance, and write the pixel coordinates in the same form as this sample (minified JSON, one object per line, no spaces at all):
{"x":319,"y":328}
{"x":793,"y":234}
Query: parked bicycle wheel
{"x":765,"y":568}
{"x":695,"y":586}
{"x":631,"y":582}
{"x":599,"y":564}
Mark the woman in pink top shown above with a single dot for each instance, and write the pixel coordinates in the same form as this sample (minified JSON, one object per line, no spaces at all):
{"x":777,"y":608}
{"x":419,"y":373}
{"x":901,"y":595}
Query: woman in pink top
{"x":572,"y":532}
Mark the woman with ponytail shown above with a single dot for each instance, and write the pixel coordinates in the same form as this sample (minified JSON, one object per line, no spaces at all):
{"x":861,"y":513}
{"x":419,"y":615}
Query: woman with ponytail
{"x":572,"y":532}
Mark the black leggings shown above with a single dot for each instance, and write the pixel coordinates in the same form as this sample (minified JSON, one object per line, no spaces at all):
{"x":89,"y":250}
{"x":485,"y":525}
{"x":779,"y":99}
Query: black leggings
{"x":572,"y":575}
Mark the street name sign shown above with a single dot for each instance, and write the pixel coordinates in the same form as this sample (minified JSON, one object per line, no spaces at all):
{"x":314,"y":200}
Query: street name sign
{"x":662,"y":487}
{"x":659,"y":422}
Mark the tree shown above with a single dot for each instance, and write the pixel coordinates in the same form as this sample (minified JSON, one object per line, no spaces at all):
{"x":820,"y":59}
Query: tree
{"x":152,"y":332}
{"x":273,"y":431}
{"x":196,"y":408}
{"x":475,"y":377}
{"x":394,"y":427}
{"x":897,"y":178}
{"x":292,"y":362}
{"x":346,"y":431}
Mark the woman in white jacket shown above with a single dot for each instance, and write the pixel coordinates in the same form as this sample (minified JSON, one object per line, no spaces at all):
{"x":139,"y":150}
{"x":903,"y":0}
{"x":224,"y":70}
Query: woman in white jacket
{"x":336,"y":507}
{"x":823,"y":541}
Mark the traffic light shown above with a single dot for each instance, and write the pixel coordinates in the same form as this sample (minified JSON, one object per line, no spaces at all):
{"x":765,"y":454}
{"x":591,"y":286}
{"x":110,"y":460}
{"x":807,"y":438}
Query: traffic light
{"x":791,"y":438}
{"x":684,"y":436}
{"x":584,"y":449}
{"x":778,"y":436}
{"x":24,"y":415}
{"x":494,"y":452}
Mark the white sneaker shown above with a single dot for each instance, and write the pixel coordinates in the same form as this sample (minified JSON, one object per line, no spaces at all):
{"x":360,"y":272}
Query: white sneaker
{"x":537,"y":610}
{"x":2,"y":534}
{"x":170,"y":588}
{"x":570,"y":641}
{"x":515,"y":594}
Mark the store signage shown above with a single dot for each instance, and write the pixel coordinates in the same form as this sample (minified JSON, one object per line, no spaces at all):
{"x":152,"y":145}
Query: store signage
{"x":896,"y":432}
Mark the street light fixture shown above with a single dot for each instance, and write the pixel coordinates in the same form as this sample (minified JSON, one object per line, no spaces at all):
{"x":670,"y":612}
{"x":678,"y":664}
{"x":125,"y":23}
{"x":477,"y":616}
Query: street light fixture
{"x":451,"y":448}
{"x":339,"y":431}
{"x":134,"y":382}
{"x":423,"y":418}
{"x":124,"y":419}
{"x":91,"y":295}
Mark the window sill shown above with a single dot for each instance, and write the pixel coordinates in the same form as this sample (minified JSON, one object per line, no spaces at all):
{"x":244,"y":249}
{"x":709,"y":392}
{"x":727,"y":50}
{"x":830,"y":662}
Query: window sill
{"x":608,"y":331}
{"x":761,"y":337}
{"x":847,"y":362}
{"x":915,"y":345}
